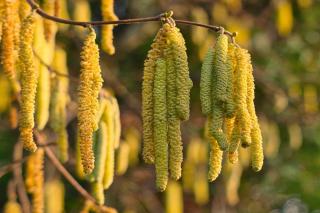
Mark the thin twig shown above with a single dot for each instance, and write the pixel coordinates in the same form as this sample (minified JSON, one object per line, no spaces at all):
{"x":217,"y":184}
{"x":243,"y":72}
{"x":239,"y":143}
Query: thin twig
{"x":52,"y":157}
{"x":7,"y":168}
{"x":160,"y":17}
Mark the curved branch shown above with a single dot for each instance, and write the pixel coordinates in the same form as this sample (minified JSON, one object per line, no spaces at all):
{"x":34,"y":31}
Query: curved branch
{"x":52,"y":157}
{"x":160,"y":17}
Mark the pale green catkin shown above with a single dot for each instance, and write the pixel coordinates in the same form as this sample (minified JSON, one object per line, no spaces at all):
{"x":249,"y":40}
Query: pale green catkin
{"x":160,"y":125}
{"x":147,"y":96}
{"x":174,"y":133}
{"x":216,"y":125}
{"x":220,"y":68}
{"x":205,"y":83}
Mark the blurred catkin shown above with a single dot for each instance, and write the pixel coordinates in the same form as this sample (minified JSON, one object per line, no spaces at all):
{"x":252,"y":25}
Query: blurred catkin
{"x":54,"y":196}
{"x":122,"y":158}
{"x":89,"y":88}
{"x":29,"y":76}
{"x":12,"y":207}
{"x":107,"y":10}
{"x":160,"y":125}
{"x":174,"y":198}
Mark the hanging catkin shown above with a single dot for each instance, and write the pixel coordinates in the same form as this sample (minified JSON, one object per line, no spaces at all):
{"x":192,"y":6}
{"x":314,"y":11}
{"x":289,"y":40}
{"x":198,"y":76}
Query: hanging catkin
{"x":160,"y":125}
{"x":107,"y":10}
{"x":54,"y":196}
{"x":133,"y":137}
{"x":122,"y":158}
{"x":215,"y":158}
{"x":256,"y":137}
{"x":35,"y":180}
{"x":147,"y":95}
{"x":89,"y":88}
{"x":117,"y":123}
{"x":240,"y":96}
{"x":49,"y":26}
{"x":59,"y":100}
{"x":12,"y":207}
{"x":29,"y":76}
{"x":174,"y":198}
{"x":7,"y":44}
{"x":205,"y":83}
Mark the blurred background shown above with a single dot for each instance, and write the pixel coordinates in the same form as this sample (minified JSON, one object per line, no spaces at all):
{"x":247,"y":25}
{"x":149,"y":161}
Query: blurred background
{"x":283,"y":37}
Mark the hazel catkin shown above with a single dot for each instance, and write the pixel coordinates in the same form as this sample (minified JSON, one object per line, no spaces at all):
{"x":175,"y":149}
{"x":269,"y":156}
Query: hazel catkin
{"x":147,"y":95}
{"x":205,"y":83}
{"x":29,"y":76}
{"x":12,"y":207}
{"x":107,"y":30}
{"x":160,"y":125}
{"x":89,"y":88}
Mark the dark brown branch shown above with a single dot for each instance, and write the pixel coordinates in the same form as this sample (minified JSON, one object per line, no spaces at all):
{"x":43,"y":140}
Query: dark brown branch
{"x":160,"y":17}
{"x":7,"y":168}
{"x":52,"y":157}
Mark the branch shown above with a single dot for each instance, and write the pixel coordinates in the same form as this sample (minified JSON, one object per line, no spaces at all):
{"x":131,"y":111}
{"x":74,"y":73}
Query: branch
{"x":52,"y":157}
{"x":160,"y":17}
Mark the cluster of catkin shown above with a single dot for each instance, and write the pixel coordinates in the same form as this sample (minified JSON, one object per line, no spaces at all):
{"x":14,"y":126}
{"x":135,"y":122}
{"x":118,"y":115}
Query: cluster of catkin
{"x":227,"y":99}
{"x":105,"y":141}
{"x":107,"y":10}
{"x":165,"y":103}
{"x":35,"y":180}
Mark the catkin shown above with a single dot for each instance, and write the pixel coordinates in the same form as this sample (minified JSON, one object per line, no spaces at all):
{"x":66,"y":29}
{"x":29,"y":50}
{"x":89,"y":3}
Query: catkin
{"x":241,"y":96}
{"x":230,"y":66}
{"x":49,"y":26}
{"x":59,"y":100}
{"x":174,"y":133}
{"x":29,"y":78}
{"x":97,"y":192}
{"x":219,"y":67}
{"x":12,"y":207}
{"x":205,"y":83}
{"x":35,"y":180}
{"x":201,"y":187}
{"x":89,"y":88}
{"x":132,"y":137}
{"x":122,"y":158}
{"x":183,"y":81}
{"x":160,"y":125}
{"x":174,"y":198}
{"x":107,"y":10}
{"x":147,"y":95}
{"x":7,"y":44}
{"x":117,"y":123}
{"x":54,"y":196}
{"x":215,"y":158}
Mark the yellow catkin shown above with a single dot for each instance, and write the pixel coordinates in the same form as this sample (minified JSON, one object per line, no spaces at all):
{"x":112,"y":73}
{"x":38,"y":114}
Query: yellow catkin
{"x":59,"y":101}
{"x":12,"y":207}
{"x":107,"y":10}
{"x":49,"y":26}
{"x":285,"y":17}
{"x":117,"y":122}
{"x":45,"y":52}
{"x":201,"y":187}
{"x":35,"y":180}
{"x":7,"y":44}
{"x":231,"y":65}
{"x":147,"y":95}
{"x":233,"y":184}
{"x":122,"y":158}
{"x":79,"y":167}
{"x":174,"y":198}
{"x":240,"y":96}
{"x":5,"y":93}
{"x":205,"y":83}
{"x":174,"y":132}
{"x":256,"y":137}
{"x":81,"y":12}
{"x":54,"y":196}
{"x":108,"y":118}
{"x":215,"y":156}
{"x":97,"y":192}
{"x":89,"y":88}
{"x":160,"y":125}
{"x":29,"y":78}
{"x":63,"y":13}
{"x":24,"y":9}
{"x":133,"y":138}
